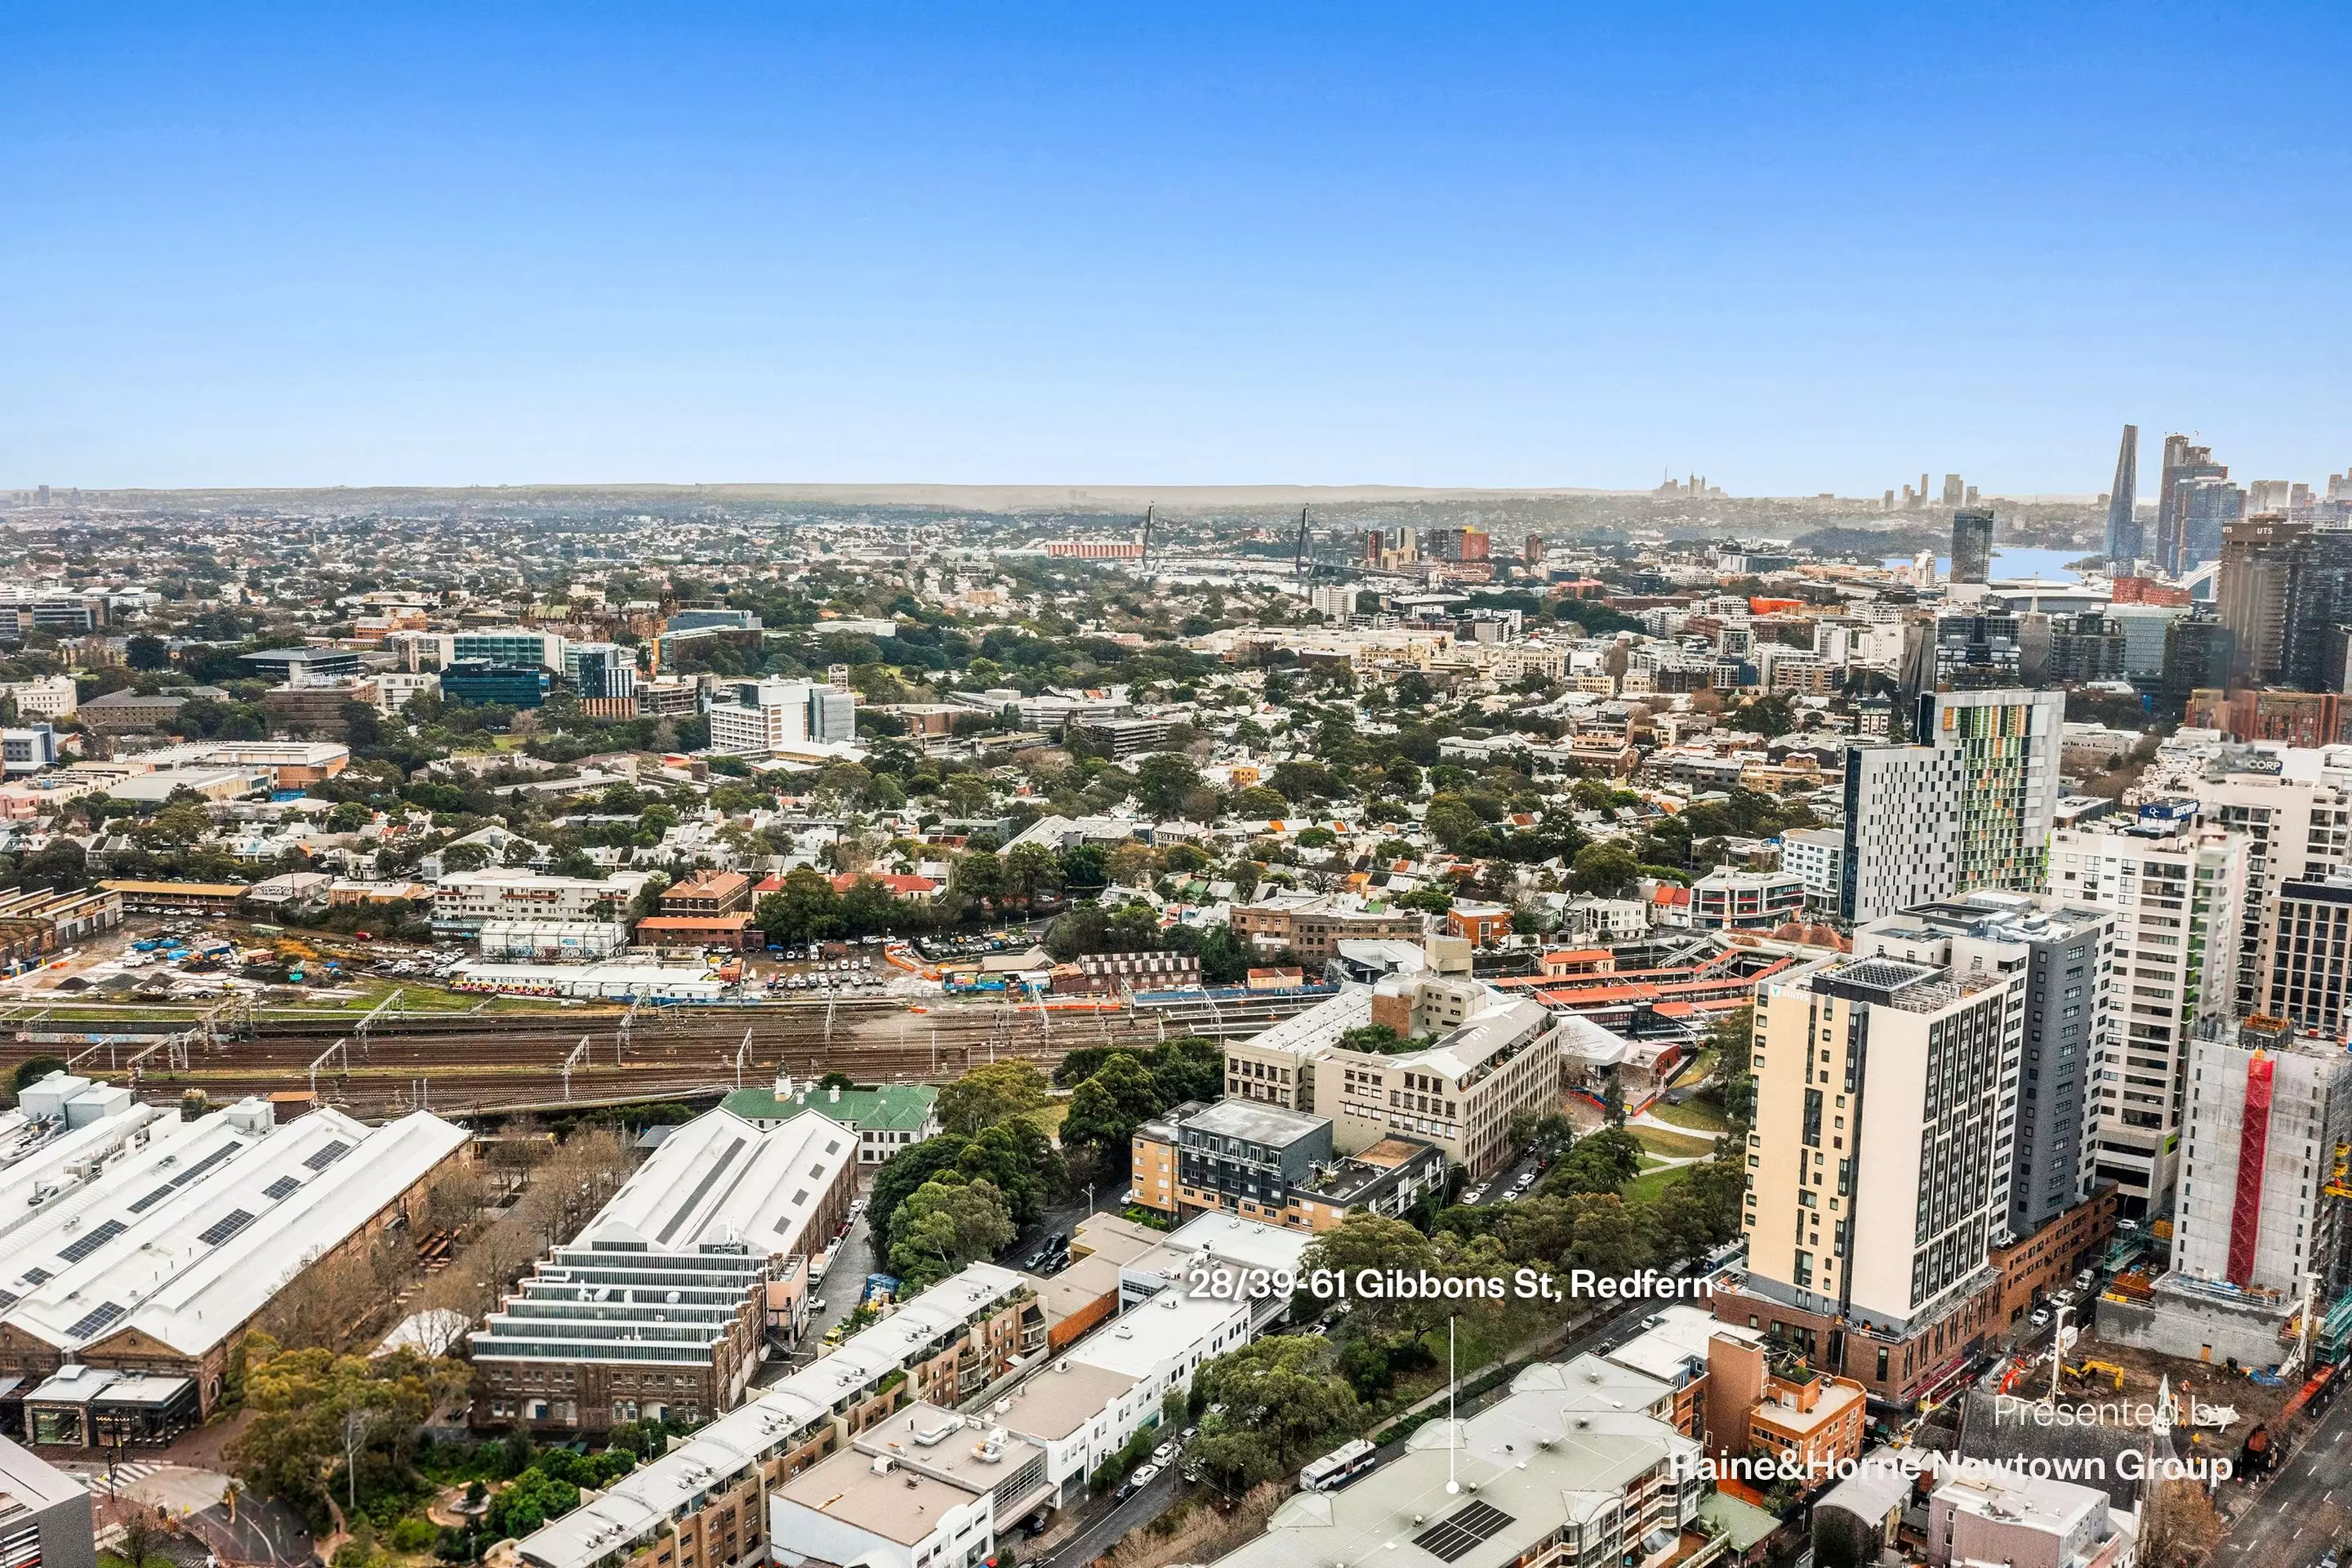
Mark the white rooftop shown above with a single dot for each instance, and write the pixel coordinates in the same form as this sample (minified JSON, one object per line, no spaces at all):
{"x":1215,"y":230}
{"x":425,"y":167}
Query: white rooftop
{"x":184,"y":1235}
{"x":720,"y":1179}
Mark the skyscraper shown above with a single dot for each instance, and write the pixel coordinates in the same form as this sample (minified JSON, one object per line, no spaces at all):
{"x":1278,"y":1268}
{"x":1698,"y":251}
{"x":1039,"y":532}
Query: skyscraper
{"x":1953,"y":490}
{"x":2123,"y":522}
{"x":1972,"y":546}
{"x":2182,"y":463}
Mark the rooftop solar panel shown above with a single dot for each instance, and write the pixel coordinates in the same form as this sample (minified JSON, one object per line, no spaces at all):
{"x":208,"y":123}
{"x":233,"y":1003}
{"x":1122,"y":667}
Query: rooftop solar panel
{"x":1458,"y":1531}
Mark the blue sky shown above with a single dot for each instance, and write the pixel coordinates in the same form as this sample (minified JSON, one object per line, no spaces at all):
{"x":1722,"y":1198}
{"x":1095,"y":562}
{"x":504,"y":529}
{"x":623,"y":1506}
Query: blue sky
{"x":1799,"y":248}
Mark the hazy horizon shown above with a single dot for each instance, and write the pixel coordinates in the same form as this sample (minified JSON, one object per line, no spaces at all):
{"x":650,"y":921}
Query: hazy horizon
{"x":1500,"y":248}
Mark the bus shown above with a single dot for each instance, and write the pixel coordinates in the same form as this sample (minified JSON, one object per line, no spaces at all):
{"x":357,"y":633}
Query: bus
{"x":1338,"y":1468}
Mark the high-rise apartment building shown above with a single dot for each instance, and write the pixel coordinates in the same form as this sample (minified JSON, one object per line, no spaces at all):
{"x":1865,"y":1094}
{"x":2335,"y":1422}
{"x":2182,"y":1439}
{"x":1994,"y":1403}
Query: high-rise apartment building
{"x":2285,"y":591}
{"x":2066,"y":1002}
{"x":2183,"y":463}
{"x":2123,"y":521}
{"x":1968,"y":804}
{"x":2177,"y":890}
{"x":1879,"y":1167}
{"x":2267,"y":1112}
{"x":2307,"y":956}
{"x":1972,"y":546}
{"x":1953,"y":490}
{"x":2293,"y":805}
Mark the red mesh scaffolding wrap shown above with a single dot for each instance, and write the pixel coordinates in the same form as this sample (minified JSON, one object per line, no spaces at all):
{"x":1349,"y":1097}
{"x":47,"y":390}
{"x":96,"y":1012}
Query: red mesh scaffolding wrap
{"x":2253,"y":1142}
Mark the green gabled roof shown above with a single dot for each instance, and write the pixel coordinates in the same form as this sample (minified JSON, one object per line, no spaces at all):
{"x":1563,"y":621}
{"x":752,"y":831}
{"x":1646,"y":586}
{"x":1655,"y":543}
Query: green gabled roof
{"x":891,"y":1108}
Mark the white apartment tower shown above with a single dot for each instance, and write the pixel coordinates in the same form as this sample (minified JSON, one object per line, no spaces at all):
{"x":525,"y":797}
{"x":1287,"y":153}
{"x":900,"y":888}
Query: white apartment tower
{"x":2178,"y":893}
{"x":1968,"y":804}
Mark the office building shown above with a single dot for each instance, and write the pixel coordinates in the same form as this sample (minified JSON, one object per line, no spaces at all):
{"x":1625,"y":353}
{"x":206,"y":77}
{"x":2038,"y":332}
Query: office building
{"x":1816,"y":857}
{"x":1969,"y":804}
{"x":1458,"y":544}
{"x":1727,"y":900}
{"x":1879,"y":1171}
{"x":507,"y":645}
{"x":29,"y":749}
{"x":45,"y":1514}
{"x":1972,"y":546}
{"x":2184,"y":463}
{"x":473,"y":684}
{"x":2123,"y":521}
{"x":125,"y":1295}
{"x":602,"y":670}
{"x":1494,"y":1056}
{"x":462,"y":900}
{"x":2208,"y":507}
{"x":659,"y":1308}
{"x":2178,"y":891}
{"x":48,"y":697}
{"x":2068,"y":1000}
{"x":2269,"y":1113}
{"x":302,"y":666}
{"x":752,"y":717}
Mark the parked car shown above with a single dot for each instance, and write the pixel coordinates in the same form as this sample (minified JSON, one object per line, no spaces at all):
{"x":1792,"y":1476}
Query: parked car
{"x":2039,"y":1317}
{"x":1144,"y":1476}
{"x":1162,"y":1454}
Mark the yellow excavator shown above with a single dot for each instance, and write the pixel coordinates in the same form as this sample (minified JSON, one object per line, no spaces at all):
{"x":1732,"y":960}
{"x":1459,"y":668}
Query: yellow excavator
{"x":2105,"y":1368}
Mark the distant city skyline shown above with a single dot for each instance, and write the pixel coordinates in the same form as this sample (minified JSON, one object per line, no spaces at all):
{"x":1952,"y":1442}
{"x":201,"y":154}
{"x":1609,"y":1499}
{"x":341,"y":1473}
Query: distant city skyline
{"x":1508,"y":248}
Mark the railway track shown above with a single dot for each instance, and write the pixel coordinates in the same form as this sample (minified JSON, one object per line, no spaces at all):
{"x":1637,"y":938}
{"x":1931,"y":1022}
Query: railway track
{"x":482,"y":1063}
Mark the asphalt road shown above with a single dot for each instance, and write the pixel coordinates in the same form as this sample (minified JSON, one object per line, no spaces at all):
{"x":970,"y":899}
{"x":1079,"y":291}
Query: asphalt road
{"x":1098,"y":1535}
{"x":2300,"y":1511}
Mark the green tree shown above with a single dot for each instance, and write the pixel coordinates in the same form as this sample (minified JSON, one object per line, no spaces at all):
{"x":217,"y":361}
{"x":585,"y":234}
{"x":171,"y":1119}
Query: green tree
{"x":1601,"y":1162}
{"x":903,"y":1173}
{"x":1030,"y":869}
{"x":987,"y":1094}
{"x":1451,"y":821}
{"x":1606,"y":870}
{"x":1164,"y":781}
{"x":1260,"y":804}
{"x":1283,"y":1401}
{"x":980,"y":877}
{"x":804,"y":909}
{"x":946,"y":1224}
{"x":147,"y":651}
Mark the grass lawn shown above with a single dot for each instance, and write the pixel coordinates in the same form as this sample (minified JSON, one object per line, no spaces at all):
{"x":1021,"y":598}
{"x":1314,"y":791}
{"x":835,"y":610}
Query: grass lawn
{"x":1673,"y":1144}
{"x":1697,"y":1115}
{"x":1700,"y":1068}
{"x":1646,"y":1186}
{"x":1048,"y":1118}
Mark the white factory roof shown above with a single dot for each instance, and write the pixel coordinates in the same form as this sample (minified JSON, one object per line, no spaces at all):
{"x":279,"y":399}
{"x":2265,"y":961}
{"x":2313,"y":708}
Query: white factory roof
{"x":1589,"y":1043}
{"x":186,"y":1235}
{"x":1498,"y":1025}
{"x":720,"y":1179}
{"x":1319,"y":1025}
{"x":649,"y":1498}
